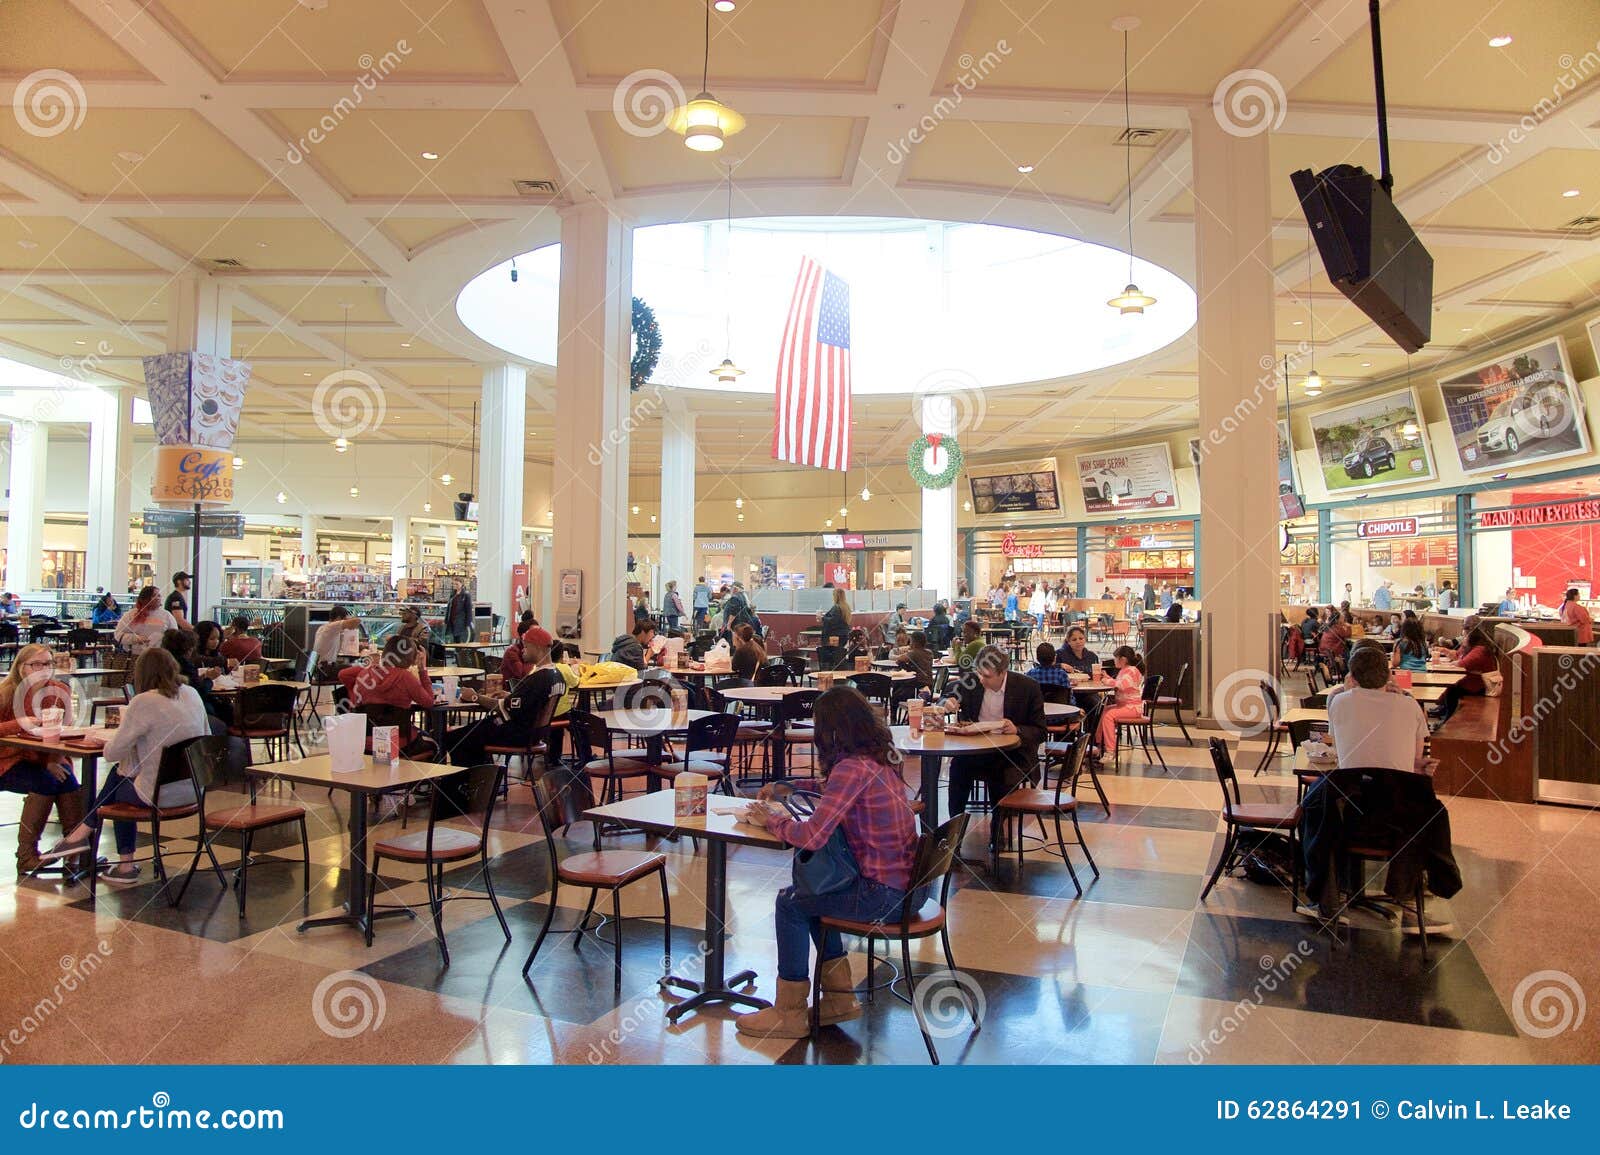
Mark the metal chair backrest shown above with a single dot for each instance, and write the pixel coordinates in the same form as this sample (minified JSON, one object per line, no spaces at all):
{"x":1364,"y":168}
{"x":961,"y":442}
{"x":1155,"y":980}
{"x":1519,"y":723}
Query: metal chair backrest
{"x":797,"y":706}
{"x":469,"y":794}
{"x":1151,"y":690}
{"x":713,"y":734}
{"x":381,"y":715}
{"x":207,"y":760}
{"x":471,"y":659}
{"x":875,"y":688}
{"x":1056,"y":695}
{"x":941,"y":678}
{"x":561,"y":794}
{"x":1073,"y":766}
{"x":264,"y":706}
{"x":773,"y":675}
{"x":1183,"y":680}
{"x":795,"y":662}
{"x":1274,"y":704}
{"x":174,"y":766}
{"x":591,"y":738}
{"x":1222,"y":761}
{"x":934,"y":861}
{"x":82,"y":638}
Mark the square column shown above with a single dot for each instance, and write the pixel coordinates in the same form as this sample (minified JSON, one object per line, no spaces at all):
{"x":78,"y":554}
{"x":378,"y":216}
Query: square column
{"x":1239,"y":558}
{"x":593,"y":348}
{"x":505,"y":405}
{"x":399,"y":547}
{"x":110,"y":489}
{"x":30,"y":451}
{"x":938,"y":551}
{"x":677,"y":499}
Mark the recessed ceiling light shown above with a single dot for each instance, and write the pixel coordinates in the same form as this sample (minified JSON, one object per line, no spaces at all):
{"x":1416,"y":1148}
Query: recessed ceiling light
{"x":1299,"y":322}
{"x":430,"y":156}
{"x":405,"y":344}
{"x":1572,"y":192}
{"x":261,"y":244}
{"x":724,"y":5}
{"x":1499,"y":41}
{"x":131,"y":157}
{"x":1466,"y":328}
{"x":303,"y":374}
{"x":77,"y":342}
{"x":27,"y":244}
{"x":1366,"y":364}
{"x":1024,"y":169}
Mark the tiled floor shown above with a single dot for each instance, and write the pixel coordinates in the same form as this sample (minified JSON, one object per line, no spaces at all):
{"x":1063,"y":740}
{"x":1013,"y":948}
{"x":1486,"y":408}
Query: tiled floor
{"x":1137,"y":971}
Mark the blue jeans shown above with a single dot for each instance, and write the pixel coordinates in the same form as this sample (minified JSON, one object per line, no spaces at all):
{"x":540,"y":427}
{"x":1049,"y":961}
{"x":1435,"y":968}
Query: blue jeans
{"x":35,"y":778}
{"x":116,"y":788}
{"x":799,"y":922}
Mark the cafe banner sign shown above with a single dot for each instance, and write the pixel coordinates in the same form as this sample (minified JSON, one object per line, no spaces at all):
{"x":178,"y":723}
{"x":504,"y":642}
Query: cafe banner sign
{"x":195,"y":399}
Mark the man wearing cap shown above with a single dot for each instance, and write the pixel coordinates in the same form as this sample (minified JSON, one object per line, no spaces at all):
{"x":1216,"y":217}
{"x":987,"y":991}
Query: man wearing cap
{"x":514,"y":720}
{"x":177,"y":603}
{"x":412,"y":626}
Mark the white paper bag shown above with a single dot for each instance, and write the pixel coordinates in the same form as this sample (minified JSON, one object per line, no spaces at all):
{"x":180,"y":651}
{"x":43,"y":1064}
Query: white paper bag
{"x":349,"y":643}
{"x":347,"y":742}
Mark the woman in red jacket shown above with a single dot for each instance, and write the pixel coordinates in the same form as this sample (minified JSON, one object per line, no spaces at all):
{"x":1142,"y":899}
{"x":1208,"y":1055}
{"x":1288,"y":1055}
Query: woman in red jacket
{"x":24,"y":693}
{"x":397,"y":677}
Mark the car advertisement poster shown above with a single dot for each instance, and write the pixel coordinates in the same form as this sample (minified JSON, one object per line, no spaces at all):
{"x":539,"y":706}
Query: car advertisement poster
{"x":1522,"y":408}
{"x":1028,"y":487}
{"x":1128,"y":480}
{"x":1373,"y":443}
{"x":1286,"y":484}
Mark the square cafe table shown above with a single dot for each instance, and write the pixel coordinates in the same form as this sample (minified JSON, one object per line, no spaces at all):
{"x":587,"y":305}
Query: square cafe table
{"x":654,"y":814}
{"x":360,"y":784}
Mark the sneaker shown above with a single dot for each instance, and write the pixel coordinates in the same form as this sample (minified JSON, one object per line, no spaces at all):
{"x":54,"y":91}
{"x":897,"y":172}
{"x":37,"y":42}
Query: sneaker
{"x":1408,"y":924}
{"x":123,"y":874}
{"x":1307,"y":910}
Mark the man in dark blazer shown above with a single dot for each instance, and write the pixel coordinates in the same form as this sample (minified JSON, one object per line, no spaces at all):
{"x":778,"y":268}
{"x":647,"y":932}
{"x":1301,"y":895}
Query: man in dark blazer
{"x":990,"y":692}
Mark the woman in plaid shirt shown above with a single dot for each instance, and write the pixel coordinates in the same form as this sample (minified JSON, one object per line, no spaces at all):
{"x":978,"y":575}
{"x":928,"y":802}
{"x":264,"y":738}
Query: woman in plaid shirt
{"x":864,"y":794}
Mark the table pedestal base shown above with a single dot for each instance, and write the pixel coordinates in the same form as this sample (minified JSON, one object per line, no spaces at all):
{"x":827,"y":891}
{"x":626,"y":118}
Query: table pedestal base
{"x":703,"y":995}
{"x":354,"y":920}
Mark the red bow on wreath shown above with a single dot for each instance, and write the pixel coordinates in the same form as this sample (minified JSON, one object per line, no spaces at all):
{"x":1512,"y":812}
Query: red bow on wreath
{"x":933,"y":443}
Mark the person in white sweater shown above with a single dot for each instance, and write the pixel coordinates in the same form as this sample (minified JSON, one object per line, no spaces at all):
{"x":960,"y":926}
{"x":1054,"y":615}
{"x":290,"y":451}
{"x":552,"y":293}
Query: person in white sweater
{"x":164,"y":712}
{"x":142,"y":627}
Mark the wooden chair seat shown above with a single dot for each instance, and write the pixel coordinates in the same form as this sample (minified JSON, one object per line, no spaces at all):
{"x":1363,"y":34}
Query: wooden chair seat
{"x":1166,"y":700}
{"x":695,"y":765}
{"x":1266,"y":816}
{"x":131,"y":813}
{"x":252,"y":817}
{"x":929,"y":919}
{"x":1034,"y":801}
{"x":610,"y":868}
{"x":449,"y":844}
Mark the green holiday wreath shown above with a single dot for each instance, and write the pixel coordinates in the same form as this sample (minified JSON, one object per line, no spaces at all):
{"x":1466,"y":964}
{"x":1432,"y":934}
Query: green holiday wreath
{"x":646,"y":345}
{"x":946,"y":476}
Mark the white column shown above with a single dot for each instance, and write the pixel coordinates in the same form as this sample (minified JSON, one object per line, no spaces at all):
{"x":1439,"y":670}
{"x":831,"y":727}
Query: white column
{"x":504,"y":411}
{"x":938,"y":552}
{"x":592,"y":414}
{"x":308,"y":538}
{"x":543,"y":580}
{"x":1238,"y":410}
{"x":399,"y":547}
{"x":110,"y":489}
{"x":30,"y":451}
{"x":677,"y":498}
{"x":450,"y":553}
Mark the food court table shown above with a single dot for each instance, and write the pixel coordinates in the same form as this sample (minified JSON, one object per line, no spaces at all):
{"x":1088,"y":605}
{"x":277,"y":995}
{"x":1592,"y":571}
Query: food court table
{"x":654,"y":724}
{"x":765,"y":699}
{"x":932,"y":747}
{"x":360,"y":785}
{"x":463,"y":672}
{"x":654,"y":814}
{"x":585,"y":694}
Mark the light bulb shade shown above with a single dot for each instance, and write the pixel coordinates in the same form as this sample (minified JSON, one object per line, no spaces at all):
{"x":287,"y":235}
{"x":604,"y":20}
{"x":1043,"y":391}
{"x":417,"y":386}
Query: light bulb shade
{"x":727,"y":371}
{"x":1313,"y":384}
{"x":738,"y":503}
{"x":340,"y":444}
{"x":282,"y":497}
{"x":355,"y":491}
{"x":1131,"y":301}
{"x":445,"y":479}
{"x":866,"y":494}
{"x":844,"y":511}
{"x":705,"y":123}
{"x":427,"y":507}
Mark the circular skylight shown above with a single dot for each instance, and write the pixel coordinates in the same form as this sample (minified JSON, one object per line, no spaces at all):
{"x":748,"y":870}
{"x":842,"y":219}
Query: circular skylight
{"x":929,"y":301}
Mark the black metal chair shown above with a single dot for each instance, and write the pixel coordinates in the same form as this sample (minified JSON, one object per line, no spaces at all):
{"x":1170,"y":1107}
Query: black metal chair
{"x":266,"y":713}
{"x":792,"y":725}
{"x":208,"y":759}
{"x":1243,"y":820}
{"x":562,"y":794}
{"x":594,"y":747}
{"x":468,"y":795}
{"x":707,"y":749}
{"x":1276,"y":728}
{"x":935,"y":857}
{"x":1043,"y":802}
{"x":173,"y":770}
{"x":1175,"y":700}
{"x":773,"y":674}
{"x":875,"y":688}
{"x":1144,"y":727}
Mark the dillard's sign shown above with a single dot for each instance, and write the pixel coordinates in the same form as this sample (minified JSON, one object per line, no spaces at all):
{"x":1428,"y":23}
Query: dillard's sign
{"x":1013,"y":548}
{"x":1394,"y":527}
{"x":1532,"y":515}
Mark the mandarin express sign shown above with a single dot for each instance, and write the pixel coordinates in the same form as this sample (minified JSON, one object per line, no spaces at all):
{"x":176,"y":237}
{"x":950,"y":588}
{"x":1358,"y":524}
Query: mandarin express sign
{"x":1522,"y":517}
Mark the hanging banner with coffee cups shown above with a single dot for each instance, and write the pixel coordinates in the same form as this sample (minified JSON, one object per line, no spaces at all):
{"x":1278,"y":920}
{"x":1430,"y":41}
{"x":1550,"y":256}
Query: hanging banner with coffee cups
{"x":195,"y":399}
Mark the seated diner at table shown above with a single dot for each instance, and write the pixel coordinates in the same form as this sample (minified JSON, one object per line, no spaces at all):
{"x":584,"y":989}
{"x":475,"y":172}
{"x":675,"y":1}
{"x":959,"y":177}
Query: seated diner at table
{"x":239,"y":647}
{"x":993,"y":693}
{"x":864,"y":795}
{"x":46,"y":781}
{"x":142,"y":626}
{"x":513,"y":720}
{"x":398,"y":676}
{"x":1128,"y":705}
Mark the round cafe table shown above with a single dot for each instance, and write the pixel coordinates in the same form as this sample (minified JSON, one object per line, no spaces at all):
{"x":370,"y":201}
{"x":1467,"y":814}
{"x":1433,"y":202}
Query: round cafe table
{"x":654,"y":724}
{"x":932,"y":747}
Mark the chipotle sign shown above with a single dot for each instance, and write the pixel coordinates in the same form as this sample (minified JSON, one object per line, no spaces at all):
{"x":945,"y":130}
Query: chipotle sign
{"x":1521,"y":517}
{"x":1394,"y":527}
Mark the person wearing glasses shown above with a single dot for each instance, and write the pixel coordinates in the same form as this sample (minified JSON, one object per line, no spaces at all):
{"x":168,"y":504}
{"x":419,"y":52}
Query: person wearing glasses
{"x":28,"y":689}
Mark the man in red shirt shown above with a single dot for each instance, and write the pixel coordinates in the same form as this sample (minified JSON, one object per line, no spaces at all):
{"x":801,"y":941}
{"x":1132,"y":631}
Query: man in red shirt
{"x":1577,"y":615}
{"x":397,"y":677}
{"x":239,"y":646}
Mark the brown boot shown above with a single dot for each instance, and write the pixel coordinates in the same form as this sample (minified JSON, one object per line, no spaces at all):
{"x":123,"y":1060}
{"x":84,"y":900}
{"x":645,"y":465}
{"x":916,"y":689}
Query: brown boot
{"x":69,"y":811}
{"x":788,"y":1018}
{"x":839,"y":1004}
{"x":35,"y":813}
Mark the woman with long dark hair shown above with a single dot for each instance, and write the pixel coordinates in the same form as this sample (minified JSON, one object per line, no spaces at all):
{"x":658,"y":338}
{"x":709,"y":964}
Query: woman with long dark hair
{"x":1411,"y":651}
{"x":864,"y":795}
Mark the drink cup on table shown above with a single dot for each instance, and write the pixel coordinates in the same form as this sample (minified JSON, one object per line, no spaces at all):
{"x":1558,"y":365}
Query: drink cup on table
{"x":50,"y":723}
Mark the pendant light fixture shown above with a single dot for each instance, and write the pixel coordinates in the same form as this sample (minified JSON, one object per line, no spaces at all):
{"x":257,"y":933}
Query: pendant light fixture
{"x":1313,"y":378}
{"x":283,"y":457}
{"x":727,"y":372}
{"x":1132,"y":301}
{"x":355,"y":463}
{"x":705,"y":123}
{"x":340,"y":444}
{"x":445,"y":478}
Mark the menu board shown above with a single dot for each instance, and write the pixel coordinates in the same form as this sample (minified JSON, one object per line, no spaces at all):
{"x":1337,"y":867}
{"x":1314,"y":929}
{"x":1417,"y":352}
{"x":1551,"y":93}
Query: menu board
{"x":1029,"y":487}
{"x":1417,"y":551}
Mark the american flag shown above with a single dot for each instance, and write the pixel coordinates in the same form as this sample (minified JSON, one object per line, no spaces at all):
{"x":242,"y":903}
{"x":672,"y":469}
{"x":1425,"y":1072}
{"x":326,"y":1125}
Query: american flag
{"x":811,"y":415}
